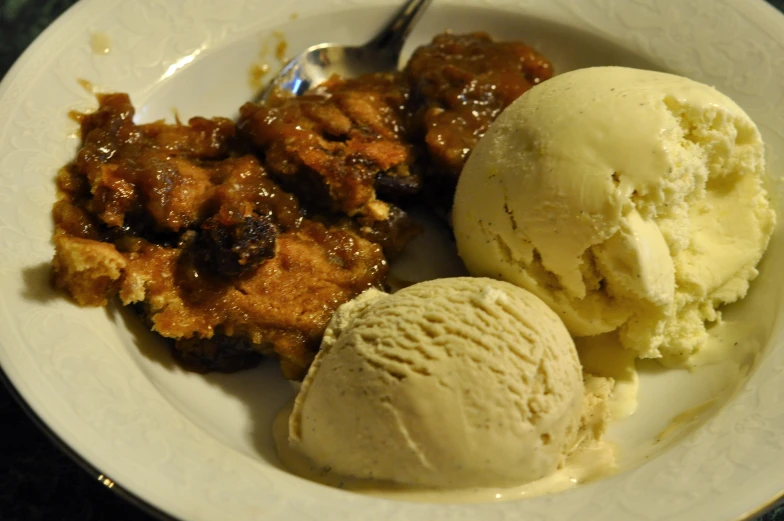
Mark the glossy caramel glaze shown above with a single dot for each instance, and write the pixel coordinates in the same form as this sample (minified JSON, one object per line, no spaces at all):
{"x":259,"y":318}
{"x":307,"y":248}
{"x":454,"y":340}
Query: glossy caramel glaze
{"x":459,"y":85}
{"x":201,"y":241}
{"x":334,"y":144}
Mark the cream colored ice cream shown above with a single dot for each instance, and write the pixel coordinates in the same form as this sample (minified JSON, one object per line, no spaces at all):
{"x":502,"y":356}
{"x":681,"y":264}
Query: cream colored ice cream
{"x":449,"y":383}
{"x":627,"y":200}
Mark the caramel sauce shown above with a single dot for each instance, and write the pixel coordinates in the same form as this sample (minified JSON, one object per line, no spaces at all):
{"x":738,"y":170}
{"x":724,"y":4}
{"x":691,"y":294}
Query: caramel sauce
{"x":256,"y":75}
{"x":100,"y":43}
{"x":86,"y":85}
{"x":211,"y":244}
{"x":464,"y":82}
{"x":280,"y":48}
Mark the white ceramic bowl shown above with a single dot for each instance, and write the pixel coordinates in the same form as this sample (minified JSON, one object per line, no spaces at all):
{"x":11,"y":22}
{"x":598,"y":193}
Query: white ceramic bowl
{"x":199,"y":447}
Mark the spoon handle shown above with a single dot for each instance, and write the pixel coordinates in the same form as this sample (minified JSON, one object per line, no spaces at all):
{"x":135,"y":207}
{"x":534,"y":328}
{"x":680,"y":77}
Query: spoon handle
{"x":392,"y":37}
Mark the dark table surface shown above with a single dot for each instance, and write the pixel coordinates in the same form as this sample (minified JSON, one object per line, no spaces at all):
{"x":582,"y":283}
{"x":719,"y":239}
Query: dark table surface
{"x":38,"y":482}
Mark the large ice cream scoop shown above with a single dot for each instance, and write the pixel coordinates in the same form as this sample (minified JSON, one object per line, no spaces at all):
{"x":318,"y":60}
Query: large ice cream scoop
{"x":627,"y":200}
{"x":455,"y":382}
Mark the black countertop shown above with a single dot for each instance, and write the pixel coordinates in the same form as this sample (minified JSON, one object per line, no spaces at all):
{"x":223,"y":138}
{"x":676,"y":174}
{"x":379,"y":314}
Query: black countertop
{"x":38,"y":482}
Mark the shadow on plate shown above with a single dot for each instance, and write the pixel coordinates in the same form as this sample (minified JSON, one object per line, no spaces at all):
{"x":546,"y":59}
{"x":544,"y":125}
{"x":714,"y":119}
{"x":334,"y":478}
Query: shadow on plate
{"x":37,"y":286}
{"x":256,"y":388}
{"x":262,"y":391}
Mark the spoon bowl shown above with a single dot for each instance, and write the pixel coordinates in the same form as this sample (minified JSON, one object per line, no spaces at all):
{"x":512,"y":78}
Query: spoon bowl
{"x":319,"y":62}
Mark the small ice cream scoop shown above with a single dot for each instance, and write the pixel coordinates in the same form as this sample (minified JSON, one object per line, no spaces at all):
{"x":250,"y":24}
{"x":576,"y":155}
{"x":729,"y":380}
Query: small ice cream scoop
{"x":450,"y":383}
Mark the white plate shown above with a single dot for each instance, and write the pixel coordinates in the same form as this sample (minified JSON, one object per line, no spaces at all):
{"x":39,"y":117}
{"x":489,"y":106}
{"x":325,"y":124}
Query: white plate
{"x":199,"y":448}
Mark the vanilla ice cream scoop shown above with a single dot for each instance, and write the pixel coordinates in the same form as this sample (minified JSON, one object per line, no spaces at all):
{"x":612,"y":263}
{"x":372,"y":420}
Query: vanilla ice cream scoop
{"x":627,"y":200}
{"x":449,"y":383}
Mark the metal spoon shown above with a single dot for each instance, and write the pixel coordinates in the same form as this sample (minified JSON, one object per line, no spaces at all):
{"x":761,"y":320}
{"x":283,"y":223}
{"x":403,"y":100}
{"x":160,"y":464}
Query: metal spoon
{"x":319,"y":62}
